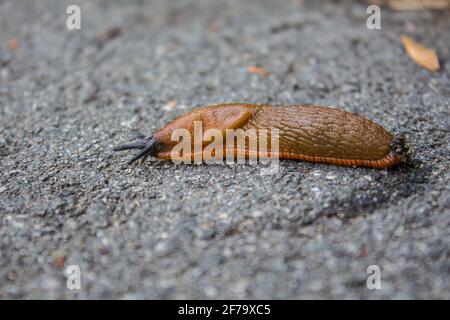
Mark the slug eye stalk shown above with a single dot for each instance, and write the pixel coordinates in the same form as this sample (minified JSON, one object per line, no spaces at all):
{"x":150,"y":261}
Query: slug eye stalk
{"x":148,"y":146}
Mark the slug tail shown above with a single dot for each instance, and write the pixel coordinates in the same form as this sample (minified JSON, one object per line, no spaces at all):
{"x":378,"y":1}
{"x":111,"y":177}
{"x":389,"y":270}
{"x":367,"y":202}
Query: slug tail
{"x":399,"y":148}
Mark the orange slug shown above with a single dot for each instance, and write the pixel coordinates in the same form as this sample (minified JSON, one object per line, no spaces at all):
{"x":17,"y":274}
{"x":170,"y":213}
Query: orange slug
{"x":310,"y":133}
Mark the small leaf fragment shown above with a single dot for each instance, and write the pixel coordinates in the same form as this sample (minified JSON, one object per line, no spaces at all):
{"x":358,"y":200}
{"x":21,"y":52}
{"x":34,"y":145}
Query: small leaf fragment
{"x":411,"y":5}
{"x":421,"y":55}
{"x":59,"y":262}
{"x":13,"y":44}
{"x":108,"y":34}
{"x":258,"y":70}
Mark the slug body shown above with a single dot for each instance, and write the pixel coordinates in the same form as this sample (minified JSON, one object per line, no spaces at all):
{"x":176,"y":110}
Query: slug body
{"x":311,"y":133}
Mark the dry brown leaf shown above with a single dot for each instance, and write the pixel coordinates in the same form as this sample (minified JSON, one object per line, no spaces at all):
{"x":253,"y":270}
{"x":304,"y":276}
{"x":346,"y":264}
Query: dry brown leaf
{"x":258,"y":70}
{"x":108,"y":34}
{"x":213,"y":27}
{"x":401,"y":5}
{"x":424,"y":57}
{"x":13,"y":44}
{"x":59,"y":262}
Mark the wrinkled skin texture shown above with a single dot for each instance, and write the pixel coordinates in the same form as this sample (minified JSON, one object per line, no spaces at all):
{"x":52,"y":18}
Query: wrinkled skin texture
{"x":324,"y":132}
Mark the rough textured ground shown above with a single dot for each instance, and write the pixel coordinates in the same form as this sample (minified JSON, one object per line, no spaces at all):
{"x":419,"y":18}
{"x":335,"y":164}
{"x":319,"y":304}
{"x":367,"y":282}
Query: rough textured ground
{"x":165,"y":231}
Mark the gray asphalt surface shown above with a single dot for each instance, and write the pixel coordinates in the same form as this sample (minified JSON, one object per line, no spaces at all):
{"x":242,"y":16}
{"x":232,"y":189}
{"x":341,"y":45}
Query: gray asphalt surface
{"x":224,"y":231}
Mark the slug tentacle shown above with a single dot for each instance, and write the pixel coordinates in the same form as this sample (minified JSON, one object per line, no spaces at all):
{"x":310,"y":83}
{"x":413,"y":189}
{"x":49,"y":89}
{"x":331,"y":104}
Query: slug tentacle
{"x":149,"y":146}
{"x":310,"y":133}
{"x":136,"y":145}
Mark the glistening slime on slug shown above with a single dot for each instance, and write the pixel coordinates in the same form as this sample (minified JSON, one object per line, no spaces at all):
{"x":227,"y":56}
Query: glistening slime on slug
{"x":311,"y":133}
